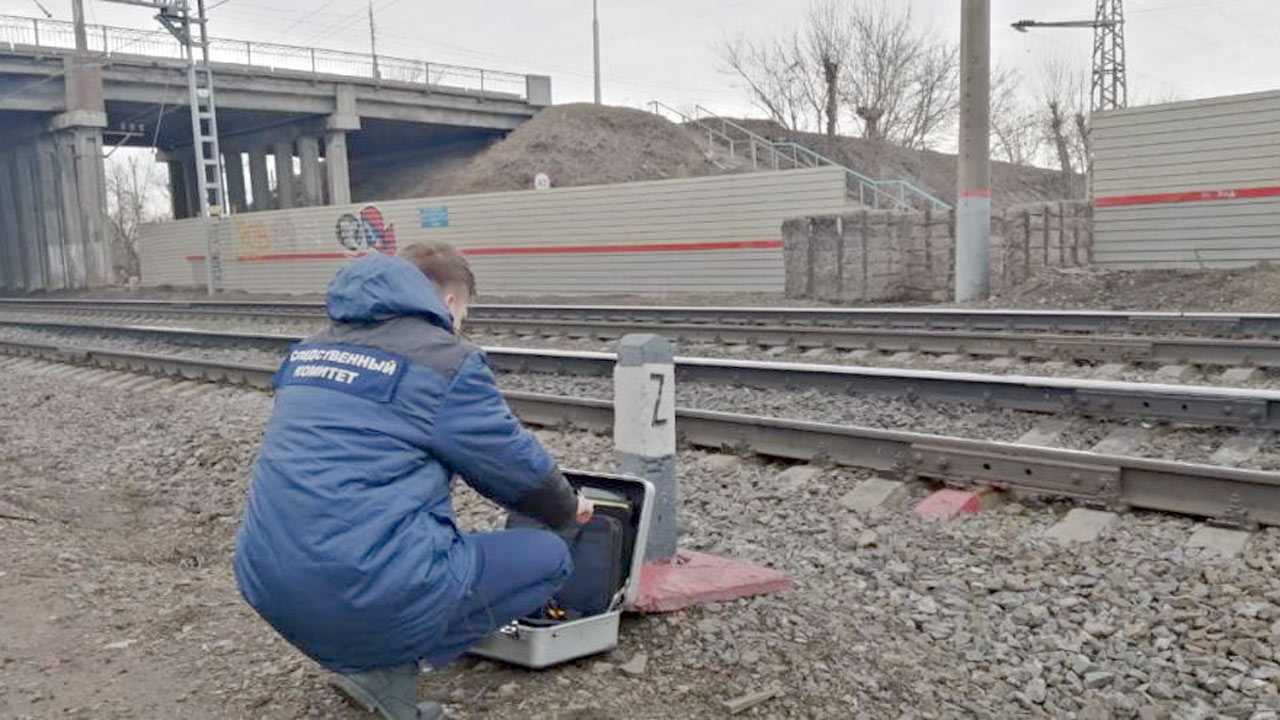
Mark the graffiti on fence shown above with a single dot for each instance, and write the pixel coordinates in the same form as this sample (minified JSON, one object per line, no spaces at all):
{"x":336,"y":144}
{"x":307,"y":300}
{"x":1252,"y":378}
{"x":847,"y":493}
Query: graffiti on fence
{"x":366,"y":231}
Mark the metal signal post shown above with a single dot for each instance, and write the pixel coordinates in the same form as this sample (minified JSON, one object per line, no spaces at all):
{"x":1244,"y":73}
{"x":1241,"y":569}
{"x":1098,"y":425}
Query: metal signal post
{"x":177,"y":18}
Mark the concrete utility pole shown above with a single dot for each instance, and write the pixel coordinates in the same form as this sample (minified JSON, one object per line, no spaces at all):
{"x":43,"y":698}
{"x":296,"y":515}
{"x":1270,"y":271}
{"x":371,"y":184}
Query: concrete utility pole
{"x":77,"y":15}
{"x":373,"y":43}
{"x":595,"y":42}
{"x":973,"y":206}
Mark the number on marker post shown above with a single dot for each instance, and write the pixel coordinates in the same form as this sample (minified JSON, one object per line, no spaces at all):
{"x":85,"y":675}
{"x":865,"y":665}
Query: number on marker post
{"x":657,"y":401}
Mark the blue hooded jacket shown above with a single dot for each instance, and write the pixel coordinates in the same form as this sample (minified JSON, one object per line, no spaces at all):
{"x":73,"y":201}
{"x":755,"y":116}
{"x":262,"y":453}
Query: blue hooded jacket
{"x":348,"y":545}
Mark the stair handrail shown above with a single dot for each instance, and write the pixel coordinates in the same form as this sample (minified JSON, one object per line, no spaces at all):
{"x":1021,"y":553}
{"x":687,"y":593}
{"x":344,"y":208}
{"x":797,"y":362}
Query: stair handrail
{"x":858,"y":178}
{"x":712,"y":133}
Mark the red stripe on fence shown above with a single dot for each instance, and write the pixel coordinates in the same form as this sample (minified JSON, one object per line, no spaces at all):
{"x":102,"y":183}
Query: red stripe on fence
{"x":546,"y":250}
{"x":650,"y":247}
{"x":1190,"y":196}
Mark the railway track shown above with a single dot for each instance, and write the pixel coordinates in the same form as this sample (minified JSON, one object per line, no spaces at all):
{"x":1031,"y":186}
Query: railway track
{"x":1218,"y":406}
{"x":1069,"y":321}
{"x":791,"y":329}
{"x":1244,"y":498}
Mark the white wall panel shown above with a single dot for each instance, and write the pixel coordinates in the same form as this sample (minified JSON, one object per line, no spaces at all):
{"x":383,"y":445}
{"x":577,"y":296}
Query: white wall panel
{"x":1188,"y":184}
{"x":702,"y":234}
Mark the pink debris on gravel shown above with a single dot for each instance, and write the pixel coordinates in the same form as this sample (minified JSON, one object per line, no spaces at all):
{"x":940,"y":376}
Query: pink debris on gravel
{"x":696,"y":578}
{"x":946,"y":504}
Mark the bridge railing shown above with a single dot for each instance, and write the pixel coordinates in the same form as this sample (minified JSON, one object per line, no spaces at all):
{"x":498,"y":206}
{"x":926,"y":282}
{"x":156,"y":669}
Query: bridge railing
{"x":59,"y":34}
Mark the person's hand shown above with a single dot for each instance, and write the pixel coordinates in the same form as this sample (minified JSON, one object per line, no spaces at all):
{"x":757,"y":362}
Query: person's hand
{"x":586,"y":509}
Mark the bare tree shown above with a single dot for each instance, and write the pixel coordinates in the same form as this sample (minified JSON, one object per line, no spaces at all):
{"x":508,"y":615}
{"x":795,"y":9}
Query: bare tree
{"x":1064,"y":98}
{"x":1016,"y":136}
{"x":777,"y":78}
{"x":828,"y":41}
{"x":903,"y":84}
{"x":135,"y":193}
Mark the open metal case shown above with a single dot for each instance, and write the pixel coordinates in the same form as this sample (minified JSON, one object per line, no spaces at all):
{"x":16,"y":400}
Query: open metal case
{"x":532,"y":646}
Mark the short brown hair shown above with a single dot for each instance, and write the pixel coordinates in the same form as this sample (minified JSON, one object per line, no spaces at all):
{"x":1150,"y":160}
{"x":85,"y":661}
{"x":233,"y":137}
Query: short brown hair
{"x":442,"y":263}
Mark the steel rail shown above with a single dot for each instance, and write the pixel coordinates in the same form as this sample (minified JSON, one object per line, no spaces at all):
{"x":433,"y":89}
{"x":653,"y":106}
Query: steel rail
{"x":1110,"y":348}
{"x":1198,"y":404}
{"x":908,"y":317}
{"x":1244,"y":498}
{"x":1142,"y":348}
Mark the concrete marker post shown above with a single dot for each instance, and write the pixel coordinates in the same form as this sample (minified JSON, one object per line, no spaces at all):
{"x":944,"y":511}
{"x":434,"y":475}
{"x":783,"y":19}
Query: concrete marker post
{"x":644,"y":431}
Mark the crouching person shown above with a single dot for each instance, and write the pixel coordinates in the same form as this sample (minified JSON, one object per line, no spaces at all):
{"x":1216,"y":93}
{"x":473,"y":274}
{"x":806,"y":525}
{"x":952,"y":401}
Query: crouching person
{"x":348,"y":545}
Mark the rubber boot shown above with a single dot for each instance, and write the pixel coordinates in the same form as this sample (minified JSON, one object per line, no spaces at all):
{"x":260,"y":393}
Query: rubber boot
{"x":391,"y":692}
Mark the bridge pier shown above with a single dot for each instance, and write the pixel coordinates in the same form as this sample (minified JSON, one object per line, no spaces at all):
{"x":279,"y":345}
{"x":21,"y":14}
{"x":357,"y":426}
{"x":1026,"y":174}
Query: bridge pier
{"x":258,"y":179}
{"x":53,"y":227}
{"x":234,"y":166}
{"x":309,"y":153}
{"x":283,"y":152}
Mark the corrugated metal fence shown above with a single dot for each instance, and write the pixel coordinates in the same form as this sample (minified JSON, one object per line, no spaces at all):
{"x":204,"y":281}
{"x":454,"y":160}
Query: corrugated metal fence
{"x":1188,"y":184}
{"x":693,"y":235}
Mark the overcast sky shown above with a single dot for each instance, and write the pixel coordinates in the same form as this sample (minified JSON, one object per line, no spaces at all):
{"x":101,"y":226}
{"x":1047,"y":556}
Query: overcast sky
{"x":664,"y":49}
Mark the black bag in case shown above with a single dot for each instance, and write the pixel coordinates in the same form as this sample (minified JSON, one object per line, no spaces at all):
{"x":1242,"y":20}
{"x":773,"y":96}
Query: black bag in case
{"x":583,"y":617}
{"x":600,"y":552}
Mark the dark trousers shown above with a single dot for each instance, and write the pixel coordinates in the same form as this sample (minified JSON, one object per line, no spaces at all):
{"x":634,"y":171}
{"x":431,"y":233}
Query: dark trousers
{"x":517,"y":571}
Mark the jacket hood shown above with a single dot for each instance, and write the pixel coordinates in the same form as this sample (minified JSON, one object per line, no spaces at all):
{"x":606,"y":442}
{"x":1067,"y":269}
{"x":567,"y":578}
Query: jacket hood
{"x":380,"y":287}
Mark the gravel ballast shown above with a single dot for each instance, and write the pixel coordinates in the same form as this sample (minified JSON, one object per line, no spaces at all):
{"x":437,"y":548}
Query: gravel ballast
{"x":1166,"y":441}
{"x":1268,"y":379}
{"x":119,"y":603}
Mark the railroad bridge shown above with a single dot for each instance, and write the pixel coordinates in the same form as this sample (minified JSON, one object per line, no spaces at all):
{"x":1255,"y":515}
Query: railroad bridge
{"x":295,"y":125}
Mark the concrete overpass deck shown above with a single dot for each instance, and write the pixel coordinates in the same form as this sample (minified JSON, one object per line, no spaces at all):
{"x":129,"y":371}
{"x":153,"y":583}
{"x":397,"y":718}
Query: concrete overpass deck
{"x":309,"y":112}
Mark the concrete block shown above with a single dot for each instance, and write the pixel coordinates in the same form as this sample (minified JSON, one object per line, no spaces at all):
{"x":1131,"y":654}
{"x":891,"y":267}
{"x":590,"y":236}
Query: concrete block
{"x":694,"y":578}
{"x":136,"y":382}
{"x":1221,"y":542}
{"x":1242,"y":375}
{"x":949,"y":359}
{"x":1122,"y":440}
{"x":722,"y":463}
{"x":98,"y":376}
{"x":905,"y":356}
{"x":1002,"y":363}
{"x":1110,"y":371}
{"x":80,"y":373}
{"x":777,"y":350}
{"x":795,"y":244}
{"x":1046,"y":434}
{"x":538,"y":90}
{"x":795,"y":479}
{"x":78,"y":119}
{"x":1054,"y":366}
{"x":116,"y":380}
{"x":947,"y":504}
{"x":817,"y":352}
{"x":179,"y":386}
{"x":61,"y":371}
{"x":152,"y":384}
{"x":1237,"y":449}
{"x":873,"y":493}
{"x":1080,"y":525}
{"x":197,"y":390}
{"x":862,"y":355}
{"x":1175,"y":373}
